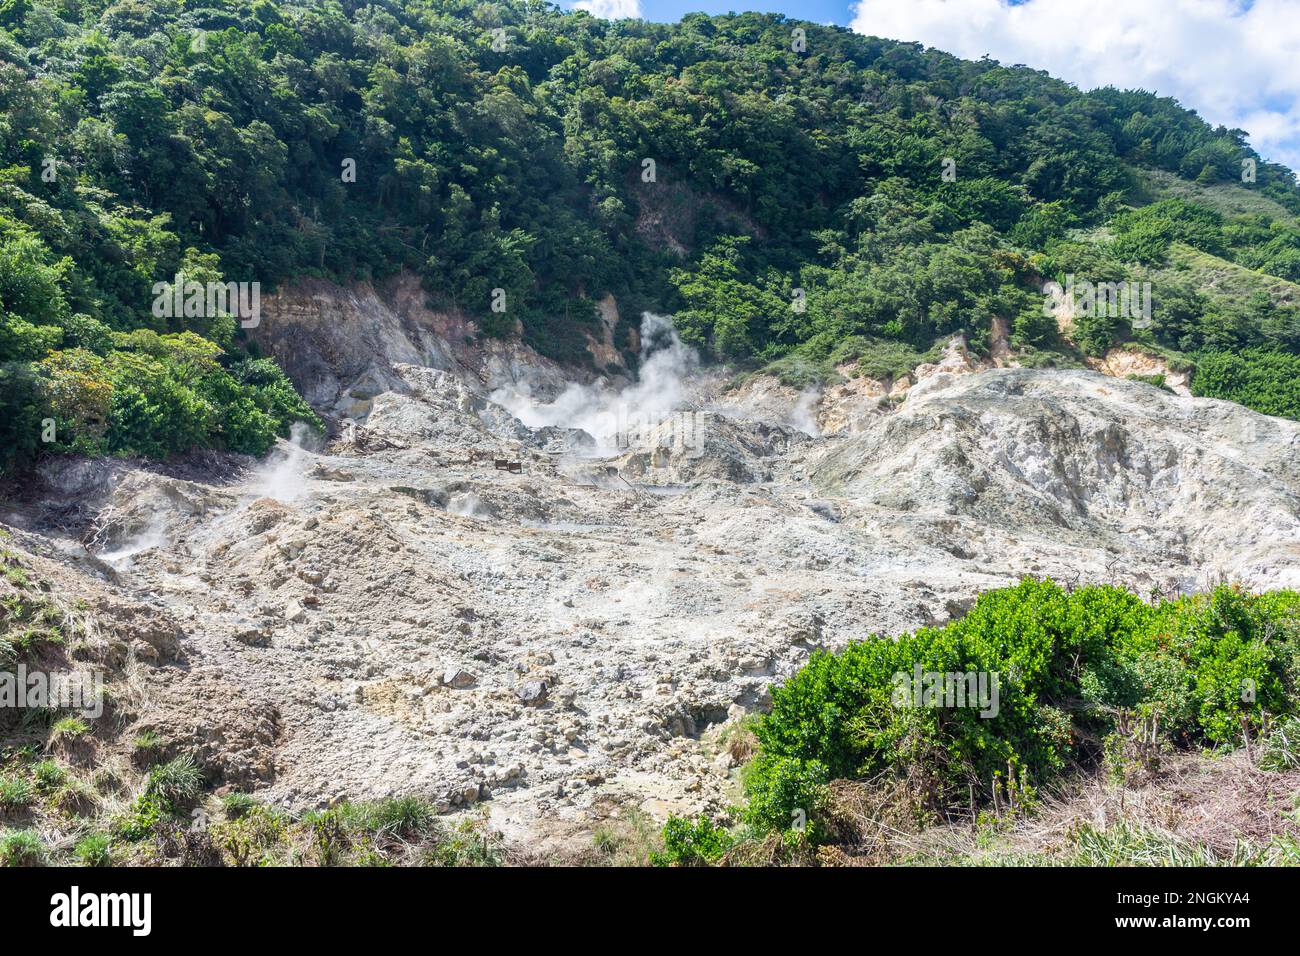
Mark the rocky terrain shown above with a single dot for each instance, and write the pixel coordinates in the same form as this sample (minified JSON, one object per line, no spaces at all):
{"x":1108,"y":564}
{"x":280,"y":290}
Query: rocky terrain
{"x":390,"y":612}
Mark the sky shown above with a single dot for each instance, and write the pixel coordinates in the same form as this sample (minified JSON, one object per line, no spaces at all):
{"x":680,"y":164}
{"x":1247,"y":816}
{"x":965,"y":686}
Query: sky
{"x":1236,"y":62}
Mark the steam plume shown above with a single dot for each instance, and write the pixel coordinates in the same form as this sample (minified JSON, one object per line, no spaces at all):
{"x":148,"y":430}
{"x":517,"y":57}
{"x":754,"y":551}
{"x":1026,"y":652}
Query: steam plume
{"x":602,"y":412}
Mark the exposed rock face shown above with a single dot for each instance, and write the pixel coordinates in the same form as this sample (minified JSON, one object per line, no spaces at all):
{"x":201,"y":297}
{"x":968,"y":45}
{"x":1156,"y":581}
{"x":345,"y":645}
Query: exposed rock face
{"x":340,"y":345}
{"x":854,"y":401}
{"x":1122,"y":363}
{"x":396,"y":614}
{"x":1073,"y":457}
{"x":691,"y":446}
{"x":604,"y":351}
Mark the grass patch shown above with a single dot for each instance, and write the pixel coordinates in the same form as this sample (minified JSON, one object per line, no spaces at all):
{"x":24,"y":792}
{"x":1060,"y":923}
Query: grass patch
{"x":16,"y":793}
{"x":95,"y":849}
{"x":1280,"y":752}
{"x":67,"y":729}
{"x":49,"y":776}
{"x":176,"y":783}
{"x":148,"y":741}
{"x":630,"y":839}
{"x":21,"y":848}
{"x":237,"y":805}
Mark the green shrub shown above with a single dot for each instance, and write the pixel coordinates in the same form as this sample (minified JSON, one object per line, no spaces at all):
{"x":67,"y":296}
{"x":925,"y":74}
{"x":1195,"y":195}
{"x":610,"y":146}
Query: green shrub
{"x":22,"y":411}
{"x":786,"y":794}
{"x":274,"y":394}
{"x":691,"y":843}
{"x":79,"y":395}
{"x":1065,"y":667}
{"x":248,"y":837}
{"x":1266,"y":381}
{"x":147,"y":811}
{"x":83,"y":332}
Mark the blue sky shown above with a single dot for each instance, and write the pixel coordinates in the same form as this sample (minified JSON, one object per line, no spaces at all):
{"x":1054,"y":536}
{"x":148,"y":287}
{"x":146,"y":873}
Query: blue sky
{"x":1236,"y":62}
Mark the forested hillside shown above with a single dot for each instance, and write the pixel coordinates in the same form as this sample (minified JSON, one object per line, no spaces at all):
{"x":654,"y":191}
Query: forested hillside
{"x":791,"y":192}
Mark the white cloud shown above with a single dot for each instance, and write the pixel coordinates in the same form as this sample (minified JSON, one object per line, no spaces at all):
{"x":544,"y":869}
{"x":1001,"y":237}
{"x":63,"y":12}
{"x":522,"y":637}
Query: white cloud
{"x":611,"y":9}
{"x":1234,"y":62}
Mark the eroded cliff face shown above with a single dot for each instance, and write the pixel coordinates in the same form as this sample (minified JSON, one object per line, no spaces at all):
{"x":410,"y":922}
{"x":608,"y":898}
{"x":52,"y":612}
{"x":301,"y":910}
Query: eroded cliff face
{"x":390,"y":613}
{"x":1126,"y":362}
{"x":339,"y":344}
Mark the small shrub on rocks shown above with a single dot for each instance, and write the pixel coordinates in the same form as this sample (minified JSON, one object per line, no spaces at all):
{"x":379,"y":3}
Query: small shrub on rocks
{"x":687,"y":842}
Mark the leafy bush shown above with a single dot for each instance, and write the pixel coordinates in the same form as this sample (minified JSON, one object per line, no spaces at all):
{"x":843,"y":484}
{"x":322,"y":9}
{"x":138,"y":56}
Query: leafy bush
{"x":83,"y":332}
{"x":1268,"y":382}
{"x":155,"y":410}
{"x":1144,"y":235}
{"x":249,"y":835}
{"x":143,"y":817}
{"x":1064,"y":666}
{"x":786,"y":795}
{"x":22,"y":397}
{"x":79,"y":396}
{"x":691,"y":843}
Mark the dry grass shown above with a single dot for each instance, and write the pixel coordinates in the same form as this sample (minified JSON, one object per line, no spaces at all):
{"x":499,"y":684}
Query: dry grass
{"x":627,"y":837}
{"x":1199,"y":808}
{"x":738,"y":739}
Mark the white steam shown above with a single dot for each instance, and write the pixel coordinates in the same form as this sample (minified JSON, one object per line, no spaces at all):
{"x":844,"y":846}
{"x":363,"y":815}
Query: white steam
{"x":281,"y":475}
{"x":468,"y":505}
{"x":122,"y":557}
{"x":770,"y":402}
{"x":602,"y":412}
{"x":804,"y":414}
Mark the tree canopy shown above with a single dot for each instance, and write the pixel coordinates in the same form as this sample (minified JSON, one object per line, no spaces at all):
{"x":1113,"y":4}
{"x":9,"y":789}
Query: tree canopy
{"x":712,"y":168}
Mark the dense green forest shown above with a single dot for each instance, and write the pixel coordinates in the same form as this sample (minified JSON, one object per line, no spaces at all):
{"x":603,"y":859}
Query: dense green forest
{"x":792,"y":193}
